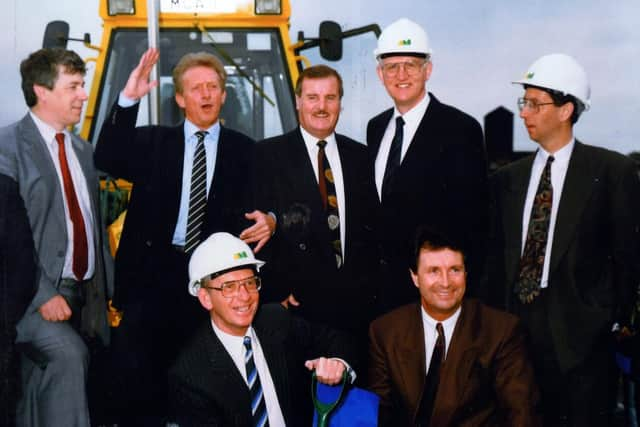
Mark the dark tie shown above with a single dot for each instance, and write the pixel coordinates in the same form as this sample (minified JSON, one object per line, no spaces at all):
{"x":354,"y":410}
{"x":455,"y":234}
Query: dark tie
{"x":258,"y":406}
{"x":197,"y":195}
{"x":433,"y":378}
{"x":532,"y":261}
{"x":80,"y":248}
{"x":329,"y":201}
{"x":393,"y":161}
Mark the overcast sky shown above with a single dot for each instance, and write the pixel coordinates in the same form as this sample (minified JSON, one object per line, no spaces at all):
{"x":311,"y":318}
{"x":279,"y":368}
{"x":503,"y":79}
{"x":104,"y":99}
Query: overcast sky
{"x":479,"y":48}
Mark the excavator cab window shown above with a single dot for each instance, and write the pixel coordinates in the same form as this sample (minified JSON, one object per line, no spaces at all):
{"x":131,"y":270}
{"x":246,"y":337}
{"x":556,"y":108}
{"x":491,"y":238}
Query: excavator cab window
{"x":259,"y":98}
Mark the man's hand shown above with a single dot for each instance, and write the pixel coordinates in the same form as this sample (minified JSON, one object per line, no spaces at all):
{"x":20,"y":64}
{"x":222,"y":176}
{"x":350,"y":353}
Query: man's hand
{"x":290,"y":300}
{"x":328,"y":371}
{"x":138,"y":84}
{"x":259,"y":232}
{"x":55,"y":310}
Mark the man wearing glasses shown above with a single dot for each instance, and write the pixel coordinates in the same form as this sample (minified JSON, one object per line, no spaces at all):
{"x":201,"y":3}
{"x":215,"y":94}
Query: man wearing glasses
{"x":566,"y":246}
{"x":429,"y":163}
{"x":246,"y":366}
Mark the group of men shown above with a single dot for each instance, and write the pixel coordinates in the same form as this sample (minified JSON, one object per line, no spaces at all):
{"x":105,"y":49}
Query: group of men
{"x":349,"y":232}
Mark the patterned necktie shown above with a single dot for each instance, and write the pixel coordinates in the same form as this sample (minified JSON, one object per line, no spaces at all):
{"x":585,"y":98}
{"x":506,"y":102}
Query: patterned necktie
{"x":258,"y":406}
{"x":80,"y":248}
{"x":532,"y":261}
{"x":393,"y":161}
{"x":329,"y":201}
{"x":433,"y":378}
{"x":197,"y":195}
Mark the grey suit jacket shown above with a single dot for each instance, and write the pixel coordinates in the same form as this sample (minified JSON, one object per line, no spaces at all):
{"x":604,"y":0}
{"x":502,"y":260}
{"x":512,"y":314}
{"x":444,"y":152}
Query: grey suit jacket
{"x":24,"y":157}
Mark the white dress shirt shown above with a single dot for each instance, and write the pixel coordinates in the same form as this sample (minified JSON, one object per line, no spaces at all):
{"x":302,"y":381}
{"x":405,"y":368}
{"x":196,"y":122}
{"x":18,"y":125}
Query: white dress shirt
{"x":236,"y":349}
{"x":431,"y":335}
{"x":412,"y":119}
{"x":333,"y":156}
{"x":558,"y":173}
{"x":48,"y":134}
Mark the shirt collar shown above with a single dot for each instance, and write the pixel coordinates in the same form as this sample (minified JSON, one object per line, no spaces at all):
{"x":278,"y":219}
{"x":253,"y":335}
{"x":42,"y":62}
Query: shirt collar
{"x":232,"y":341}
{"x":448,"y":324}
{"x":416,"y":113}
{"x":311,"y":141}
{"x":190,"y":129}
{"x":46,"y":130}
{"x":561,"y":156}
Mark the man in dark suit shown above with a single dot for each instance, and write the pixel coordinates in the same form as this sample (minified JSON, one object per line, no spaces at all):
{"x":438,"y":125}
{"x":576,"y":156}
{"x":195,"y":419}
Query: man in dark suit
{"x":59,"y":185}
{"x":17,"y":288}
{"x":188,"y":182}
{"x":566,"y":256}
{"x":324,"y":199}
{"x":429,"y":163}
{"x":245,"y":366}
{"x":449,"y":361}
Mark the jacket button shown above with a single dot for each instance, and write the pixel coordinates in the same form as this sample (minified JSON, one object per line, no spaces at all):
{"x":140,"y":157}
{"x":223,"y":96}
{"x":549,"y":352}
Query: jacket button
{"x":60,"y":254}
{"x":302,"y":247}
{"x":148,"y":243}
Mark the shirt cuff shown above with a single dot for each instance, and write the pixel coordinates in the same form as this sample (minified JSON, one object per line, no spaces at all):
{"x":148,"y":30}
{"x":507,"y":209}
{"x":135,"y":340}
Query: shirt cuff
{"x":125,"y":102}
{"x":350,"y":372}
{"x":275,"y":218}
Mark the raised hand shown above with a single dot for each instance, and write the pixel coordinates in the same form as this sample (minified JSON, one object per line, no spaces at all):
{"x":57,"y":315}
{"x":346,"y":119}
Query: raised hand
{"x":138,"y":84}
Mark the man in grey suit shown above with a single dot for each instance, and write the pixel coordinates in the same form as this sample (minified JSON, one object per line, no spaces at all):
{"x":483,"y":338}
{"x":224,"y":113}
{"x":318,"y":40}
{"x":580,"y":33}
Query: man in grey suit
{"x":59,"y":185}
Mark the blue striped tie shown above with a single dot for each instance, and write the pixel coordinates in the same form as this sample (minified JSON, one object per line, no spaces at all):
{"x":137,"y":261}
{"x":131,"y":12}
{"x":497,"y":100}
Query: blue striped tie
{"x":258,"y":406}
{"x":197,"y":195}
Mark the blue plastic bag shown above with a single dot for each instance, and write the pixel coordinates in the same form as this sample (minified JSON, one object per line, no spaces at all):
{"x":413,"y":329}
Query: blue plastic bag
{"x":356,"y":407}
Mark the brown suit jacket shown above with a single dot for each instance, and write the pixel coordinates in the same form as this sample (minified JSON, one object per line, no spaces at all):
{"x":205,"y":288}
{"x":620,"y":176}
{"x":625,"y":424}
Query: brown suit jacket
{"x":486,"y":379}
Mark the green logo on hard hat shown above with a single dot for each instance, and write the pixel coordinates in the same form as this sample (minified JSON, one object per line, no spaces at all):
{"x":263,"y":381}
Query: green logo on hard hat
{"x":240,"y":255}
{"x":406,"y":42}
{"x":529,"y":75}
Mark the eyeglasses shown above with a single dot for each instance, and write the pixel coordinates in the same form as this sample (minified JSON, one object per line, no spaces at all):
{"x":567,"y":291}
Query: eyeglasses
{"x":230,"y":289}
{"x":530,"y":104}
{"x":391,"y":69}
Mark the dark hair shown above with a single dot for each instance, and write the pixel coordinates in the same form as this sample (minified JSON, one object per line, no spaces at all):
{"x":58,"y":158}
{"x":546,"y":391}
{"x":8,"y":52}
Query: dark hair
{"x":559,"y":99}
{"x":318,"y":72}
{"x":429,"y":239}
{"x":198,"y":59}
{"x":42,"y":68}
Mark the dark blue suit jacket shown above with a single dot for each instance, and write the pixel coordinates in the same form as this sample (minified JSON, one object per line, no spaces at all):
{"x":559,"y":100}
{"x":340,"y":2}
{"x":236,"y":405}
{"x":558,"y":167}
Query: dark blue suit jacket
{"x":442,"y":183}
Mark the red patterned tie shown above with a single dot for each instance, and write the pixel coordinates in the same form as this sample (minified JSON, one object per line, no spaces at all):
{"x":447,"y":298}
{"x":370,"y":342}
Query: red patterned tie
{"x":80,"y":251}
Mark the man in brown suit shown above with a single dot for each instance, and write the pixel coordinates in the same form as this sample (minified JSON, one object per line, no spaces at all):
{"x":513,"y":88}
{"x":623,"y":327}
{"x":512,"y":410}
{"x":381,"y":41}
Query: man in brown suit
{"x":449,"y":362}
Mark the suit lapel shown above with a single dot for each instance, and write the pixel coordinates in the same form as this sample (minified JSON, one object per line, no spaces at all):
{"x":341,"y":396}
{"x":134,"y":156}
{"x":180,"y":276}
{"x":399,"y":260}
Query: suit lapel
{"x":350,"y":188}
{"x":377,"y":132}
{"x":514,"y":199}
{"x":576,"y":190}
{"x":229,"y":382}
{"x":411,"y":359}
{"x":35,"y":149}
{"x":85,"y":159}
{"x":174,"y":164}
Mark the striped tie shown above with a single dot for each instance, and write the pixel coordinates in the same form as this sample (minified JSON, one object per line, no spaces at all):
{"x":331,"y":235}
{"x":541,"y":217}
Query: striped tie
{"x":258,"y":406}
{"x":198,"y":194}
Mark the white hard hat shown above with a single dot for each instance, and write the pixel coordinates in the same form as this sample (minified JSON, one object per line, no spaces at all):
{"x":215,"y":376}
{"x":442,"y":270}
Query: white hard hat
{"x":219,"y":252}
{"x":403,"y":37}
{"x":561,"y":73}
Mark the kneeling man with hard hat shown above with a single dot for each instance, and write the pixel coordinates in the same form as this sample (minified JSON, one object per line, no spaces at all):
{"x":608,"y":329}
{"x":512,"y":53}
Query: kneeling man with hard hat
{"x":246,"y":366}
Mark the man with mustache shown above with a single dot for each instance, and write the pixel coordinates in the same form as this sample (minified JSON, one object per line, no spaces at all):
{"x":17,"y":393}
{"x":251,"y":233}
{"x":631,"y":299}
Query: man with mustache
{"x":319,"y":186}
